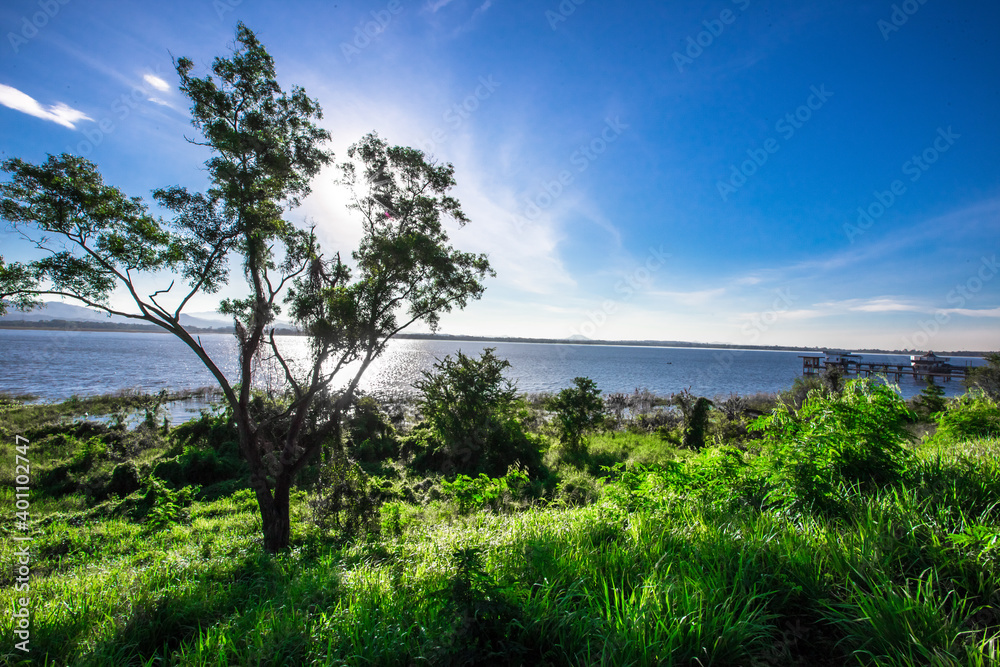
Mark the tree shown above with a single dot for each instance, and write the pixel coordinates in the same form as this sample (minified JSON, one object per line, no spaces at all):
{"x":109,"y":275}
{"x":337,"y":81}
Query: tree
{"x":266,"y":147}
{"x":986,"y":377}
{"x":578,"y":409}
{"x":475,"y":416}
{"x":931,"y":399}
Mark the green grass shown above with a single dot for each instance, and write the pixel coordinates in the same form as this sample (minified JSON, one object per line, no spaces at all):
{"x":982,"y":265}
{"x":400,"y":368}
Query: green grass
{"x":661,"y":568}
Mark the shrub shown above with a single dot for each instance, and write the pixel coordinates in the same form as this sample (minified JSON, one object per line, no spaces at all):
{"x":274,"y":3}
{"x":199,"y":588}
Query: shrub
{"x":578,"y":409}
{"x":474,"y":417}
{"x":124,"y":480}
{"x":973,"y":415}
{"x":695,"y":410}
{"x":372,"y":436}
{"x":856,"y":436}
{"x":346,"y":505}
{"x":199,"y":466}
{"x":801,"y":388}
{"x":482,"y":491}
{"x":166,"y":505}
{"x":87,"y":452}
{"x":986,"y":378}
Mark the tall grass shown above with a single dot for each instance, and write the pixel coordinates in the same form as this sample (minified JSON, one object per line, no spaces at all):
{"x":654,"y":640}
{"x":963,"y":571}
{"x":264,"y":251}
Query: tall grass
{"x":692,"y":562}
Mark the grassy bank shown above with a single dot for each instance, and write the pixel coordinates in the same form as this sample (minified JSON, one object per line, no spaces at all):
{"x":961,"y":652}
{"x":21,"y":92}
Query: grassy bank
{"x":763,"y":549}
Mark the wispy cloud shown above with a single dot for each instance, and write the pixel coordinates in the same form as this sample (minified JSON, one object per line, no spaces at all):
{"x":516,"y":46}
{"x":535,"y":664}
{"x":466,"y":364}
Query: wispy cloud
{"x":59,"y":113}
{"x":973,"y":312}
{"x":695,"y":298}
{"x":435,"y":5}
{"x":883,"y":304}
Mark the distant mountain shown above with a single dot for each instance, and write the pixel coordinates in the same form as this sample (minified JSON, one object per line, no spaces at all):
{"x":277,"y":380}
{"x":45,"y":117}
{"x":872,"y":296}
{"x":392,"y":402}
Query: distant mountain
{"x":56,"y":310}
{"x":577,"y":337}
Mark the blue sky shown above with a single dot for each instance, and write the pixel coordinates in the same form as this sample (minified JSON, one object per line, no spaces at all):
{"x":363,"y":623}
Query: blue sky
{"x":736,"y":171}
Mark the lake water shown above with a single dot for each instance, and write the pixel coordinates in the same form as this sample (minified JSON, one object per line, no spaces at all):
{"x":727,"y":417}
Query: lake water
{"x":58,"y":364}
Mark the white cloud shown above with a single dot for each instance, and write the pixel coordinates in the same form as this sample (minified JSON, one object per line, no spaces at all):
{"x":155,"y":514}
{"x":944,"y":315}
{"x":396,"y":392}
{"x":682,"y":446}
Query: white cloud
{"x":59,"y":113}
{"x":156,"y":82}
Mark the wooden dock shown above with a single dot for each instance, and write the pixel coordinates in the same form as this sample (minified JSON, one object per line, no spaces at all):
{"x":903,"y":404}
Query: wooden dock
{"x":920,"y":368}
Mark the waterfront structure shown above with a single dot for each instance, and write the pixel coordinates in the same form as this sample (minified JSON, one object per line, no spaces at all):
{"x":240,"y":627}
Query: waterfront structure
{"x":921,"y":366}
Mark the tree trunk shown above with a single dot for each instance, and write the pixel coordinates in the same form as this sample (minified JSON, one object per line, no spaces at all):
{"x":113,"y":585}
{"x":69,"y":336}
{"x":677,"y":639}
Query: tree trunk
{"x":274,"y":514}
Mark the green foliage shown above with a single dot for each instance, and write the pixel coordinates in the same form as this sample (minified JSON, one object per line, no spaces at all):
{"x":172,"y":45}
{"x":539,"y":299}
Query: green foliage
{"x":124,"y":480}
{"x":696,"y":413}
{"x":685,"y":561}
{"x":576,"y":488}
{"x":486,"y":492}
{"x":484,"y":618}
{"x":345,"y":505}
{"x":931,"y":400}
{"x":986,"y":378}
{"x":578,"y":409}
{"x":371,"y":433}
{"x":854,"y":436}
{"x":973,"y":415}
{"x":167,"y":506}
{"x":668,"y":575}
{"x":801,"y":388}
{"x":87,"y":452}
{"x":475,"y":417}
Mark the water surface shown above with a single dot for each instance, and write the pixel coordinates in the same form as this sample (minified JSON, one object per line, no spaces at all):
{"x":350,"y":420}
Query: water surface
{"x":58,"y":364}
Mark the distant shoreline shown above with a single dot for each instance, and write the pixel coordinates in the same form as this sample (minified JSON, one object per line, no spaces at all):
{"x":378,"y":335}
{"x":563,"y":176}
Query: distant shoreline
{"x":65,"y":325}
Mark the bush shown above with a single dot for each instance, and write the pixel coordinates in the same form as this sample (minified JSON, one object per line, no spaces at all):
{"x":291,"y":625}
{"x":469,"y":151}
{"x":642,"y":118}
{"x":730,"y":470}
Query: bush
{"x":199,"y":466}
{"x":474,"y":418}
{"x":346,"y":506}
{"x":87,"y":452}
{"x":124,"y":480}
{"x":973,"y":415}
{"x":372,"y":436}
{"x":578,"y":409}
{"x":986,"y":378}
{"x":856,"y":436}
{"x":487,"y":492}
{"x":166,"y":506}
{"x":801,"y":388}
{"x":205,"y":452}
{"x":695,"y":410}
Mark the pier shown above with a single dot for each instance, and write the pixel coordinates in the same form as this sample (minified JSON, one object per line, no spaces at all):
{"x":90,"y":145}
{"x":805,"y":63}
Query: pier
{"x":919,"y":368}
